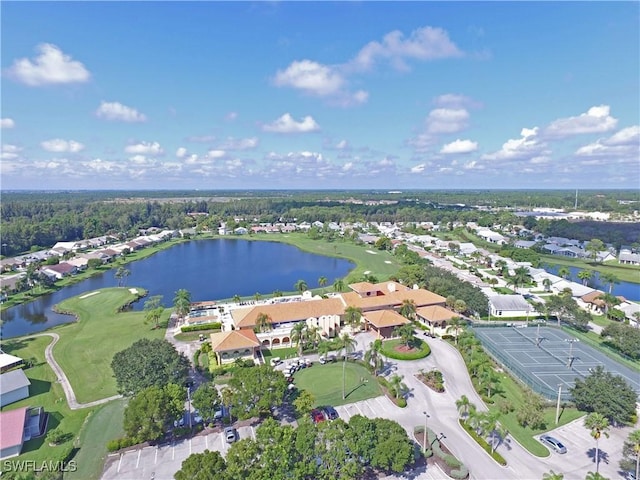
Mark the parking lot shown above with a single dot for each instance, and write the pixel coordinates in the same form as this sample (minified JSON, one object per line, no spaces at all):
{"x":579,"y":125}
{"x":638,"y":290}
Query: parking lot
{"x":163,"y":461}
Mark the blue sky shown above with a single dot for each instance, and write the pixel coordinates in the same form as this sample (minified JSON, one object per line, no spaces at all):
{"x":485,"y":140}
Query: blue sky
{"x":299,"y":95}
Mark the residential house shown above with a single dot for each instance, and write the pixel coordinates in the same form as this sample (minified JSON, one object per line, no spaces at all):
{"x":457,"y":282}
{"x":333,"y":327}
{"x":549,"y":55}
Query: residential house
{"x":492,"y":237}
{"x":235,"y":344}
{"x":384,"y":322}
{"x":19,"y":426}
{"x":509,"y":306}
{"x":7,"y":362}
{"x":524,"y":244}
{"x":628,"y":258}
{"x":14,"y":386}
{"x":435,"y":316}
{"x":59,"y":271}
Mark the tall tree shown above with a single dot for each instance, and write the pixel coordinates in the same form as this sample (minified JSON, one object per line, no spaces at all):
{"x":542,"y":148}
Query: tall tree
{"x":585,"y":276}
{"x":256,"y":390}
{"x":406,"y":334}
{"x":610,"y":279}
{"x":263,"y":323}
{"x":153,"y":310}
{"x":398,"y":387}
{"x":455,"y":325}
{"x":599,"y":425}
{"x":352,"y":316}
{"x":298,"y":336}
{"x":546,"y":283}
{"x":338,"y":285}
{"x":322,"y":282}
{"x":373,"y":356}
{"x":594,"y":247}
{"x":301,"y":286}
{"x":206,"y":400}
{"x":564,"y":272}
{"x":408,"y":309}
{"x":121,"y":275}
{"x":147,"y":414}
{"x":207,"y":465}
{"x":182,"y":302}
{"x":147,"y":363}
{"x":347,"y":343}
{"x":521,"y":277}
{"x":631,"y":453}
{"x":464,"y":405}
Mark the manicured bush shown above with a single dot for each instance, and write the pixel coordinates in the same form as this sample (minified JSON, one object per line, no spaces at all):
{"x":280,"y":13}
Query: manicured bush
{"x":202,"y":327}
{"x":388,"y":350}
{"x":483,"y":443}
{"x":460,"y":473}
{"x":120,"y":443}
{"x":401,"y":402}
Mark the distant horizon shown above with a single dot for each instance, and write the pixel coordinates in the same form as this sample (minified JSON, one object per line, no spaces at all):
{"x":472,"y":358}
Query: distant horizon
{"x":294,"y":95}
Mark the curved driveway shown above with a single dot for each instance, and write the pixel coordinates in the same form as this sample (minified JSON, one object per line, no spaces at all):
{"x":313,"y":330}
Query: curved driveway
{"x":62,"y":377}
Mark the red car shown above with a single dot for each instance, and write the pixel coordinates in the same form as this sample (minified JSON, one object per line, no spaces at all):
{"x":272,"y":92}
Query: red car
{"x":317,"y":416}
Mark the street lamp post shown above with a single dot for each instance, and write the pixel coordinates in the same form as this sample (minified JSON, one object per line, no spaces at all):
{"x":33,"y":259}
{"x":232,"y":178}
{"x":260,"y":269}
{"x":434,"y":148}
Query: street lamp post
{"x":558,"y":404}
{"x":571,"y":342}
{"x":424,"y":446}
{"x":189,"y":399}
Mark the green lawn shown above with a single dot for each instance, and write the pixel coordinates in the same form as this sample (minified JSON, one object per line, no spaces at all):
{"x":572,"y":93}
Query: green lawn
{"x":324,"y":382}
{"x":86,"y":347}
{"x":283,"y":353}
{"x":103,"y":425}
{"x":44,"y":392}
{"x":514,"y":393}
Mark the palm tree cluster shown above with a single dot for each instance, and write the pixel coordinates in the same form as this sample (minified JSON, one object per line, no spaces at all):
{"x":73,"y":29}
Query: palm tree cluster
{"x":305,"y":336}
{"x":480,"y":366}
{"x":483,"y":423}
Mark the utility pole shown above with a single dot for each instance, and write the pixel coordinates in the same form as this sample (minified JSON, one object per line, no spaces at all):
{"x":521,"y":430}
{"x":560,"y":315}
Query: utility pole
{"x":558,"y":404}
{"x":538,"y":339}
{"x":189,"y":399}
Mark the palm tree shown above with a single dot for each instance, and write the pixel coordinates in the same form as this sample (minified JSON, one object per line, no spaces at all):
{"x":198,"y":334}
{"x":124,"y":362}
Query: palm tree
{"x":276,"y":293}
{"x":501,"y":265}
{"x":521,"y":277}
{"x":236,"y":298}
{"x":455,"y":325}
{"x":352,"y":316}
{"x":301,"y":286}
{"x":298,"y":335}
{"x":397,"y":386}
{"x":406,"y":333}
{"x":153,"y":310}
{"x":373,"y":357}
{"x":564,"y":272}
{"x":322,"y":281}
{"x":491,"y":425}
{"x":609,"y":278}
{"x":595,"y":476}
{"x":182,"y":302}
{"x":490,"y":381}
{"x":599,"y":425}
{"x":551,"y":475}
{"x":324,"y":348}
{"x":408,"y":309}
{"x":263,"y":323}
{"x":633,"y":440}
{"x":338,"y":285}
{"x":585,"y":276}
{"x":476,"y":421}
{"x":313,"y":335}
{"x":121,"y":275}
{"x":464,"y":406}
{"x":546,"y":283}
{"x":348,"y":344}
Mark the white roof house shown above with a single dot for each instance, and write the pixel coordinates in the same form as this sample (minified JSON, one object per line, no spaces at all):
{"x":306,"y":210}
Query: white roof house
{"x":14,"y":386}
{"x":509,"y":306}
{"x":491,"y":236}
{"x":8,"y":361}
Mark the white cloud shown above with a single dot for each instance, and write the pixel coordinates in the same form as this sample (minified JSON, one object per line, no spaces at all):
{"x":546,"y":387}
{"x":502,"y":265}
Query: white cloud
{"x":181,"y":152}
{"x":216,"y":153}
{"x":596,"y":120}
{"x":239,"y":143}
{"x":311,"y":77}
{"x":51,"y":66}
{"x":624,"y":143}
{"x":231,"y":116}
{"x":426,"y":43}
{"x":145,"y":148}
{"x":286,"y":124}
{"x":119,"y":112}
{"x":201,"y":138}
{"x":418,"y":168}
{"x":455,"y":100}
{"x":460,"y":146}
{"x":342,"y":145}
{"x":447,"y":120}
{"x":59,"y":145}
{"x":7,"y":123}
{"x":10,"y":152}
{"x":527,"y":147}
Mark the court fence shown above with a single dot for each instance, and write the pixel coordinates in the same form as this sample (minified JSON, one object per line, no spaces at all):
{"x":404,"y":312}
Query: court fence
{"x":518,"y":371}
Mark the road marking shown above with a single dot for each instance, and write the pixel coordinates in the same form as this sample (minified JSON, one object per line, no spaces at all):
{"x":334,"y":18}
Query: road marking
{"x":173,"y":451}
{"x":119,"y":463}
{"x":359,"y":409}
{"x":138,"y":459}
{"x":206,"y":442}
{"x":156,"y":459}
{"x":253,"y":433}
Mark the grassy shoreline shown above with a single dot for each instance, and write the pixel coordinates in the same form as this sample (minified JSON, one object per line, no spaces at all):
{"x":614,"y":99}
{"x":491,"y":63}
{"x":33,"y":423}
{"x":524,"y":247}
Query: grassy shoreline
{"x":625,"y":273}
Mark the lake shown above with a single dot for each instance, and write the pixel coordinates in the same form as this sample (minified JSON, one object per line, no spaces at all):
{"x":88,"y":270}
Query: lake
{"x":209,"y":269}
{"x":630,"y":291}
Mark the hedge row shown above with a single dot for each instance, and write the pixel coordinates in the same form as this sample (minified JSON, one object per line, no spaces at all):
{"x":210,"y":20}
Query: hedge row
{"x":119,"y":443}
{"x":201,"y":327}
{"x":391,"y":353}
{"x":458,"y":470}
{"x":483,"y":443}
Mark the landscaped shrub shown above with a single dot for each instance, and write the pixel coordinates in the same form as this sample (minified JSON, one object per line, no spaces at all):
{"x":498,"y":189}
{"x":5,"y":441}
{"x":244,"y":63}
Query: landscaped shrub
{"x":460,"y":473}
{"x":389,"y":351}
{"x":202,"y":327}
{"x":120,"y":443}
{"x":483,"y":443}
{"x":401,"y":402}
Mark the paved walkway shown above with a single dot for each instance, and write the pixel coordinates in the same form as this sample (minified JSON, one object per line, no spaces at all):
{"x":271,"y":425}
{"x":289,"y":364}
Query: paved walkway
{"x":62,"y":377}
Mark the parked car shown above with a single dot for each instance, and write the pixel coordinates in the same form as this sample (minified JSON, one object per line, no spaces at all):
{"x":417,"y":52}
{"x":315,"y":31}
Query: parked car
{"x":317,"y":416}
{"x":275,"y":361}
{"x":326,"y":359}
{"x":553,"y":443}
{"x":330,"y":412}
{"x":230,"y":434}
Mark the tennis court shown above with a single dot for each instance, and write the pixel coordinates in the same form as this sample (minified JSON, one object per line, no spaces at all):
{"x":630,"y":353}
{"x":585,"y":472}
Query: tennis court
{"x":545,"y":357}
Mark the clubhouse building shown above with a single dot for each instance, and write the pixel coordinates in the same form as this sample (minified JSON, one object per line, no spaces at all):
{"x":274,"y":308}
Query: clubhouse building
{"x":270,"y":324}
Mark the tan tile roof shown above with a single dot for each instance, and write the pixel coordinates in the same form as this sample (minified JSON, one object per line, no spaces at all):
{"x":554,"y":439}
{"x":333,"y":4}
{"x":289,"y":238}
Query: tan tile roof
{"x":592,"y":297}
{"x":362,"y":287}
{"x":287,"y":312}
{"x":384,"y":286}
{"x":435,"y":313}
{"x":420,"y":297}
{"x":385,"y":318}
{"x":234,"y":340}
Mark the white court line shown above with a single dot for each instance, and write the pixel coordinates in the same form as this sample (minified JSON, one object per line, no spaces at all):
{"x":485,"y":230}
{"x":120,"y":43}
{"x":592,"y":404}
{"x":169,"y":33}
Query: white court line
{"x":138,"y":459}
{"x":119,"y":463}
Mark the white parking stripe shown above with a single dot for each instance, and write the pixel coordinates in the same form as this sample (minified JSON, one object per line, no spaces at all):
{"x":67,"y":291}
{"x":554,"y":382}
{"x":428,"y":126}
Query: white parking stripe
{"x":156,"y":459}
{"x":253,"y":432}
{"x":138,"y":459}
{"x":206,"y":442}
{"x":119,"y":463}
{"x":189,"y":446}
{"x":359,"y":409}
{"x":173,"y":451}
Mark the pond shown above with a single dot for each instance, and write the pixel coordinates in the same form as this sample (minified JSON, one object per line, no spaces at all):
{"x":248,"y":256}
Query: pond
{"x":630,"y":291}
{"x":209,"y":269}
